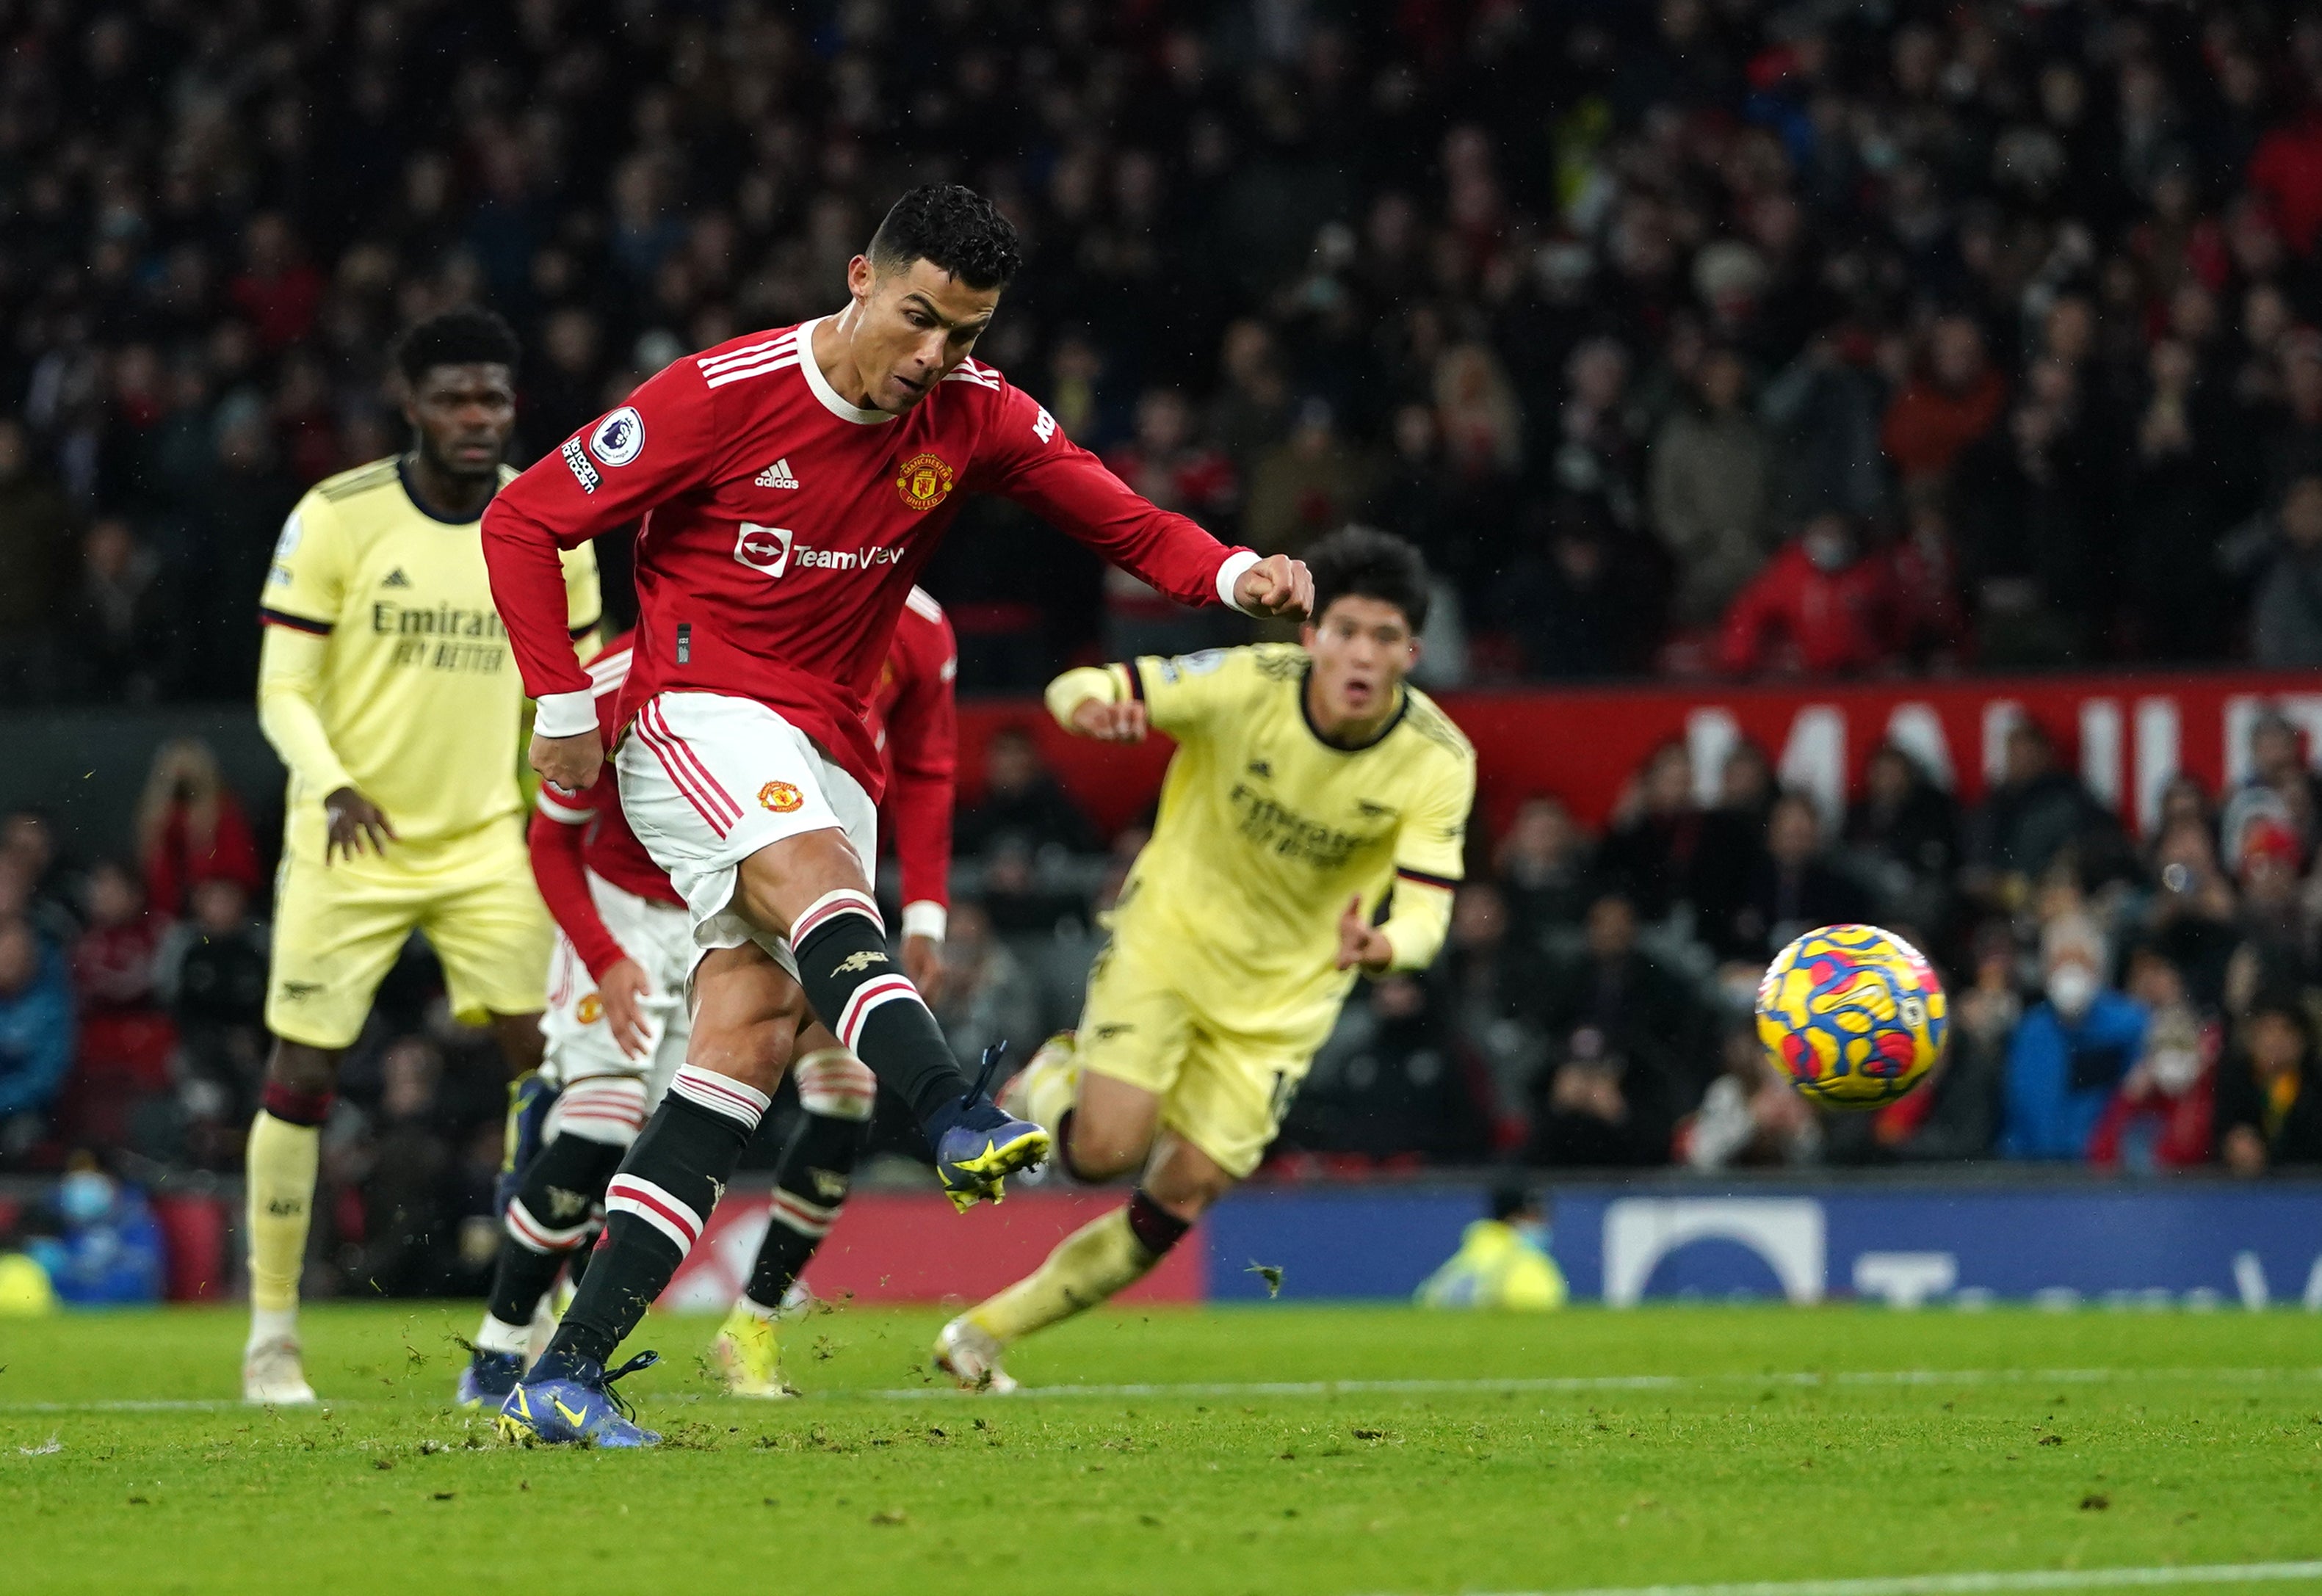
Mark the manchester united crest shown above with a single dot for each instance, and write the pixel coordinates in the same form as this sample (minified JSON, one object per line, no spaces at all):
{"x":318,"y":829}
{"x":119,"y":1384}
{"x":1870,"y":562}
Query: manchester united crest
{"x":591,"y":1010}
{"x":924,"y":482}
{"x":779,"y":797}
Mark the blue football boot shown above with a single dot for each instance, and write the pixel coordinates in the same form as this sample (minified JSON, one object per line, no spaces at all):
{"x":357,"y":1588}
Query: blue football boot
{"x":985,"y":1144}
{"x":488,"y":1378}
{"x":583,"y":1410}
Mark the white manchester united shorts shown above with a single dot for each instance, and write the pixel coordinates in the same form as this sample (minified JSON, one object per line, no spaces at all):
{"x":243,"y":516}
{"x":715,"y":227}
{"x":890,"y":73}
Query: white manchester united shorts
{"x":707,"y":780}
{"x":660,"y":937}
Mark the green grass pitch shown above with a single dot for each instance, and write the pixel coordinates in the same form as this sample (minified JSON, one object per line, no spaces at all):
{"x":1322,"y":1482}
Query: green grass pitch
{"x":1202,"y":1451}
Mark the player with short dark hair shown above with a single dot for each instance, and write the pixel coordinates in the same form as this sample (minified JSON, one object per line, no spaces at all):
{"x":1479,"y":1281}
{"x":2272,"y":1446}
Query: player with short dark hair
{"x":794,"y":482}
{"x":1308,"y":784}
{"x":386,"y":686}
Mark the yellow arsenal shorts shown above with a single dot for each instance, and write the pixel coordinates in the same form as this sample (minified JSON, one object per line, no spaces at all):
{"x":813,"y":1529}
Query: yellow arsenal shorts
{"x":338,"y":928}
{"x":1223,"y":1088}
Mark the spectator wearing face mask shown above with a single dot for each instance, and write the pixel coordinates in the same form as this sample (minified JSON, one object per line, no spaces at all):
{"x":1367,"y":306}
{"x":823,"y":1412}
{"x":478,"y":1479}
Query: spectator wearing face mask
{"x":107,"y":1252}
{"x":1819,"y":607}
{"x":2162,"y":1116}
{"x":2072,"y":1049}
{"x":2269,"y":1099}
{"x":1502,"y":1261}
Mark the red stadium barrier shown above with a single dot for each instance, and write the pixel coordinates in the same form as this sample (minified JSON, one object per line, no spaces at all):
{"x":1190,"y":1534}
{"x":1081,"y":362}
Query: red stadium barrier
{"x":2126,"y":733}
{"x":912,"y":1247}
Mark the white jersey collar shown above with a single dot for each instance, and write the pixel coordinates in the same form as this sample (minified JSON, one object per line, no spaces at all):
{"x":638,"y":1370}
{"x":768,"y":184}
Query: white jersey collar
{"x":820,"y":384}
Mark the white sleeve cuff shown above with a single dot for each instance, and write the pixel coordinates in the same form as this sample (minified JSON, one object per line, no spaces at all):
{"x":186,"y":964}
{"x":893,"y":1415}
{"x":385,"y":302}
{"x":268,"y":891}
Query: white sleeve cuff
{"x":1230,"y":573}
{"x":566,"y":715}
{"x":925,"y":918}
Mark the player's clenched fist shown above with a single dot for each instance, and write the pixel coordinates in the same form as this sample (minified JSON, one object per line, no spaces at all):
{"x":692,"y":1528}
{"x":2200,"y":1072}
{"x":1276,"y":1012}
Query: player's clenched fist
{"x":1111,"y":722}
{"x":1360,"y":942}
{"x":568,"y":763}
{"x":1277,"y":586}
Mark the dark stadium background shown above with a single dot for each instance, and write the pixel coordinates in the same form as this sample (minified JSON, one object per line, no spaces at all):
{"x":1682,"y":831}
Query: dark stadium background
{"x":1744,"y":354}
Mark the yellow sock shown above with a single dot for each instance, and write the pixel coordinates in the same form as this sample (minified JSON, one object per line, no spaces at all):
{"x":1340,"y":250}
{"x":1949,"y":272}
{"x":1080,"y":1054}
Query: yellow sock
{"x":281,"y":1159}
{"x":1102,"y":1258}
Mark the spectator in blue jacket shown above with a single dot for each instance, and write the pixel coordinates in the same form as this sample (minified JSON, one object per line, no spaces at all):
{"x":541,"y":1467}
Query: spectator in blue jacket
{"x":36,"y":1034}
{"x":107,"y":1252}
{"x":2071,"y":1050}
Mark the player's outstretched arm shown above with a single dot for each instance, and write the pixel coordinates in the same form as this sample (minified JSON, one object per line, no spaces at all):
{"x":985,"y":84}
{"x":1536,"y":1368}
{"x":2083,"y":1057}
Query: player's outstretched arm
{"x":1032,"y":462}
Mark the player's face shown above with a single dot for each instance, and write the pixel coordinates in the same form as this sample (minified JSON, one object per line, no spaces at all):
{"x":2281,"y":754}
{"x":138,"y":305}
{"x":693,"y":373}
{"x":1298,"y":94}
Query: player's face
{"x":463,"y":416}
{"x":912,"y":325}
{"x":1362,"y":650}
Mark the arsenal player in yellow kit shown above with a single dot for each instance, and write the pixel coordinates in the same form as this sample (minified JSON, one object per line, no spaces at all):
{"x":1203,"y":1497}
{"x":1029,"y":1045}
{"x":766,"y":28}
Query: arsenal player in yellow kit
{"x":387,"y":686}
{"x":1308,"y":784}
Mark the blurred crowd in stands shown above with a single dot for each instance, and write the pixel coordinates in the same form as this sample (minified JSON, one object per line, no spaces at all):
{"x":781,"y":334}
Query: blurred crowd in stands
{"x":1690,"y":335}
{"x":1693,"y":337}
{"x":2116,"y":1004}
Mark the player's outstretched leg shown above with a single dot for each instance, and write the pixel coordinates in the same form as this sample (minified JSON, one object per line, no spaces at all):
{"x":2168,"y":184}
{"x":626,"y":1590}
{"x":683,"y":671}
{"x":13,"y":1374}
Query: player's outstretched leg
{"x":840,"y":945}
{"x":281,"y":1158}
{"x":837,"y":1094}
{"x":1113,"y":1125}
{"x":546,"y":1221}
{"x":1103,"y":1257}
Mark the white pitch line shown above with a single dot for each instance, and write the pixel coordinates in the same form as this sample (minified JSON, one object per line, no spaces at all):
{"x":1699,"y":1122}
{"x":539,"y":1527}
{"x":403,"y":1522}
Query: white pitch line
{"x":1972,"y":1584}
{"x":1568,"y":1384}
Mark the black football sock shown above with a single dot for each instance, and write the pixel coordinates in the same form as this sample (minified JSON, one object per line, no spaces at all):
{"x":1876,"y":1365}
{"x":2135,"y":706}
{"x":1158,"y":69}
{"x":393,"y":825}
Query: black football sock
{"x":549,"y":1220}
{"x":655,"y":1209}
{"x":874,"y":1010}
{"x":837,"y":1093}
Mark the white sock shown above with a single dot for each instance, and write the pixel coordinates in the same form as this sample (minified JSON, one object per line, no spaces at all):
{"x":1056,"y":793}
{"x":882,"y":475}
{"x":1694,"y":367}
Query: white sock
{"x":755,"y":1308}
{"x":272,"y":1324}
{"x":498,"y":1335}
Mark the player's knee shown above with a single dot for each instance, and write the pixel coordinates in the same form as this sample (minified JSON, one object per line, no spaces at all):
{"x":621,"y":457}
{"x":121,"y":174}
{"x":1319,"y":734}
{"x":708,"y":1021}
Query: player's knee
{"x":521,"y":1040}
{"x":606,"y":1109}
{"x":778,"y":882}
{"x":753,"y":1050}
{"x":835,"y":1083}
{"x":296,"y":1068}
{"x":1100,"y":1150}
{"x":1184,"y":1180}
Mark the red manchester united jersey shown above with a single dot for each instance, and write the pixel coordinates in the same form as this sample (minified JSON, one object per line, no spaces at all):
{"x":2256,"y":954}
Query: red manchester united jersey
{"x":783,"y":527}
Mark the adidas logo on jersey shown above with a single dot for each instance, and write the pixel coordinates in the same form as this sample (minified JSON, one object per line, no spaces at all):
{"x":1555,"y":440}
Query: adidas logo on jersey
{"x":777,"y":475}
{"x":396,"y":578}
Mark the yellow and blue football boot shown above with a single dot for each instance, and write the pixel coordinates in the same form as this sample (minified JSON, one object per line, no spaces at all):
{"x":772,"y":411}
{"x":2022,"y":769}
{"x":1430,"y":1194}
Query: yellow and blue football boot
{"x":985,"y":1144}
{"x":582,"y":1410}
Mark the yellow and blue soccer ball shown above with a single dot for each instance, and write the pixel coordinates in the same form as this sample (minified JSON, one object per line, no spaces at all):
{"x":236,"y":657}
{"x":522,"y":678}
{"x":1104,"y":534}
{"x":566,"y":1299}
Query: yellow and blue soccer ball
{"x":1853,"y":1016}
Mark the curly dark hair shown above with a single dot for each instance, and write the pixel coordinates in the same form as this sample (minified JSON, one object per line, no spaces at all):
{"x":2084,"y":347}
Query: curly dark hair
{"x":465,"y":335}
{"x":951,"y":227}
{"x":1367,"y":563}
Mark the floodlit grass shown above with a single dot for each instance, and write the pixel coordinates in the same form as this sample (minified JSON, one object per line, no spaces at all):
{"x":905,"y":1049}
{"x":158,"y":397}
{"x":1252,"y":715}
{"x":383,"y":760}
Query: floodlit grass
{"x":1593,"y":1448}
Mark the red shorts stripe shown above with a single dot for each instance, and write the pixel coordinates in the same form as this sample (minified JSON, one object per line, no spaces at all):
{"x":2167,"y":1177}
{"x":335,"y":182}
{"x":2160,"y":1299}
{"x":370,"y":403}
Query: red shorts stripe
{"x":678,"y":777}
{"x":724,"y":800}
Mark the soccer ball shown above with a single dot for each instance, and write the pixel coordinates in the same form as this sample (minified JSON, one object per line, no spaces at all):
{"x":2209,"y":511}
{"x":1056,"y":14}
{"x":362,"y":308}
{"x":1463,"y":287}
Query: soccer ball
{"x":1852,"y":1014}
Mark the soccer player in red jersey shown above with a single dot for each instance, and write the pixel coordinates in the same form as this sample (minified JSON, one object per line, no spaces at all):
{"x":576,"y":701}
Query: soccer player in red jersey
{"x":793,"y":483}
{"x":617,"y":1025}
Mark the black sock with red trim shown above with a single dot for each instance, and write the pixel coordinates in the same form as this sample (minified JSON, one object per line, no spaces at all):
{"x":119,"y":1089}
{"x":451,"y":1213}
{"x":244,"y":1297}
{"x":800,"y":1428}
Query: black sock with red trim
{"x":654,"y":1211}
